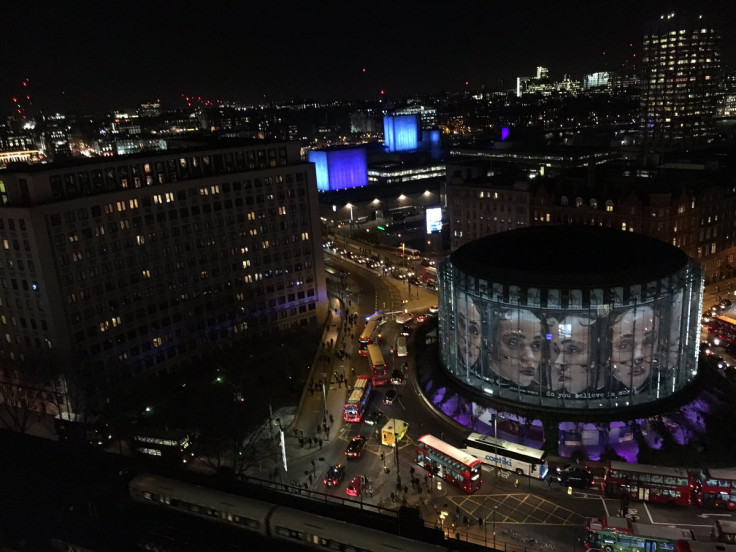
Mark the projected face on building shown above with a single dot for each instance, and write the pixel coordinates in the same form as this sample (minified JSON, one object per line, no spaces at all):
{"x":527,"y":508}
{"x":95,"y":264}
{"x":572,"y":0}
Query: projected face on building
{"x":515,"y":350}
{"x":468,"y":320}
{"x":633,"y":347}
{"x":572,"y":363}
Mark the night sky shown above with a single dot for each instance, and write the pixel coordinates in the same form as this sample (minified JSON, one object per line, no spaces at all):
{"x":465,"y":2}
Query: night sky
{"x":95,"y":56}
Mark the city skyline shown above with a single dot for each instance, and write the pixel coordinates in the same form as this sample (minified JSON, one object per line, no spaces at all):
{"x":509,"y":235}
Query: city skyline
{"x":95,"y":59}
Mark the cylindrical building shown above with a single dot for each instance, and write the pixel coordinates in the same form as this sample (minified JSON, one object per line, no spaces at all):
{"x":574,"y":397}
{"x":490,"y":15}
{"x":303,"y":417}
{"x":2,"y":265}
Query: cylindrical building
{"x":571,"y":317}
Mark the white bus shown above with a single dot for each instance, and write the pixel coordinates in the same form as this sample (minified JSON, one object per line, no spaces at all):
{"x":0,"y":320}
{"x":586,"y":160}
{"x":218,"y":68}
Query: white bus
{"x":508,"y":456}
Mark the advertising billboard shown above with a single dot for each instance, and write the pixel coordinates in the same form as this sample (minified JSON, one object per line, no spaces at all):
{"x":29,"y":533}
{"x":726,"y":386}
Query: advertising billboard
{"x":583,"y":348}
{"x":434,"y":219}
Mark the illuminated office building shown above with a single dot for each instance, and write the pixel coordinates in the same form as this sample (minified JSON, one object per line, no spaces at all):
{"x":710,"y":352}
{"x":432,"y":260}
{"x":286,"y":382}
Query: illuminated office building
{"x":681,"y":58}
{"x":427,"y":115}
{"x":131,"y":266}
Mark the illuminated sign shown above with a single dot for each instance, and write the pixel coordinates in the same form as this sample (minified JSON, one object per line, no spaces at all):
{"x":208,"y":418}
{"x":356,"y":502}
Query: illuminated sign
{"x":434,"y":219}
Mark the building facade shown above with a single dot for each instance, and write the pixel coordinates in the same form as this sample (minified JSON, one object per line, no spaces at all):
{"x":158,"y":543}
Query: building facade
{"x":132,"y":266}
{"x":482,"y":201}
{"x":693,"y":209}
{"x":681,"y":59}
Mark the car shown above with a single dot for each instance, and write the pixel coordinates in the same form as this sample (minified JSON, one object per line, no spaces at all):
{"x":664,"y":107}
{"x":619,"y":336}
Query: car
{"x":374,"y":417}
{"x":334,"y":475}
{"x":355,"y":487}
{"x":405,"y":330}
{"x":397,"y":378}
{"x":390,"y":396}
{"x":574,"y":476}
{"x":405,"y":318}
{"x":421,"y":318}
{"x":431,"y":285}
{"x":715,"y":308}
{"x":355,"y":447}
{"x":726,"y":303}
{"x":433,"y":309}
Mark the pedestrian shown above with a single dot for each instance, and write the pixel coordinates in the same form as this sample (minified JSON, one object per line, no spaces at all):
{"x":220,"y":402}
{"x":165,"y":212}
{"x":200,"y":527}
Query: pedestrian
{"x":466,"y":521}
{"x":301,"y":442}
{"x":332,"y":421}
{"x":301,"y":434}
{"x":516,"y":483}
{"x":320,"y":443}
{"x":327,"y":430}
{"x":296,"y":432}
{"x":310,"y":441}
{"x":332,"y":341}
{"x":406,"y":489}
{"x":480,"y":521}
{"x":319,"y":429}
{"x":310,"y":478}
{"x":457,"y":512}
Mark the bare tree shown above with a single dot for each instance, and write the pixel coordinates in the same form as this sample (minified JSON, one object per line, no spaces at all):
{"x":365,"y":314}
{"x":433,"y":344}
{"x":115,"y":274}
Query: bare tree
{"x":20,"y":392}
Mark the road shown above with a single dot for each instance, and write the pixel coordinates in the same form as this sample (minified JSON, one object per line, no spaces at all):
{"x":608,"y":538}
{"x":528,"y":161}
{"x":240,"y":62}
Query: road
{"x":533,"y":510}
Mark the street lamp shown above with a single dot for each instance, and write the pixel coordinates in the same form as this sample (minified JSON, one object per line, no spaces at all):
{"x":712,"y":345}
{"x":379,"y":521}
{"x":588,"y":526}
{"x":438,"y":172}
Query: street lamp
{"x":350,"y":206}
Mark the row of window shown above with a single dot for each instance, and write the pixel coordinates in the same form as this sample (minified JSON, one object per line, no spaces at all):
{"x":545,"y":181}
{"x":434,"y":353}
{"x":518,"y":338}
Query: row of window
{"x":90,"y":182}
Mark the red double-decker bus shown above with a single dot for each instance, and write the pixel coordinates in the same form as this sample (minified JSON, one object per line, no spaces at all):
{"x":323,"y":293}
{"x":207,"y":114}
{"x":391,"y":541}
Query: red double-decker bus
{"x":450,"y":463}
{"x":722,"y":330}
{"x":655,"y":484}
{"x":368,"y":336}
{"x":379,"y":373}
{"x":718,"y":488}
{"x":354,"y":407}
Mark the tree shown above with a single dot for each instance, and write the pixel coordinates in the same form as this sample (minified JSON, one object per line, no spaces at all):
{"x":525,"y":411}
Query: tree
{"x":21,"y":392}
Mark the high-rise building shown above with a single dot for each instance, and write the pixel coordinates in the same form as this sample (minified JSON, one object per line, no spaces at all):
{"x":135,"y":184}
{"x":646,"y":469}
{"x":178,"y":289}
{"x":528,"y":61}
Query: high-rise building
{"x":125,"y":267}
{"x":681,"y":58}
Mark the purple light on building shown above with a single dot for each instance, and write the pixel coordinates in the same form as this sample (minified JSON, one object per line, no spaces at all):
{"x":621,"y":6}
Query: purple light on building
{"x":339,"y":168}
{"x":401,"y":132}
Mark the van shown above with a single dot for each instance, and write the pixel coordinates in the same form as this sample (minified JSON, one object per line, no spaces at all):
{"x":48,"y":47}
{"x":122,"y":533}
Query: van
{"x":393,"y":432}
{"x":401,"y":346}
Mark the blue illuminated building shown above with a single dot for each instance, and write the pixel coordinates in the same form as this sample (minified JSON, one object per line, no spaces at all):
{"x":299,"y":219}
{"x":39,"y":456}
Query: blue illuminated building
{"x":401,"y":132}
{"x":339,"y":168}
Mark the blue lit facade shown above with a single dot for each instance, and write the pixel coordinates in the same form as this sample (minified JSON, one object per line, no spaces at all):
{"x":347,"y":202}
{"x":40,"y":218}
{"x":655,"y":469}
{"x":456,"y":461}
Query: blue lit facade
{"x":401,"y":132}
{"x":338,"y":169}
